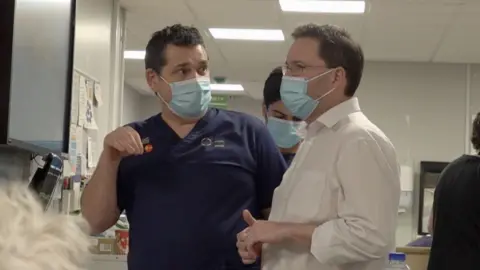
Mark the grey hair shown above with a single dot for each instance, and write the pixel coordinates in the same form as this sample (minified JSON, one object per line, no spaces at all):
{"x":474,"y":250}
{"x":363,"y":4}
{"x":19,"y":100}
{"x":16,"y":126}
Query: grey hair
{"x":31,"y":239}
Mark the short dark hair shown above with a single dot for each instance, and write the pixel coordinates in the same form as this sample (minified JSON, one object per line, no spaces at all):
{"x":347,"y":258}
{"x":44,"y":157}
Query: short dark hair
{"x":178,"y":35}
{"x":476,"y":133}
{"x":337,"y":49}
{"x":271,"y":89}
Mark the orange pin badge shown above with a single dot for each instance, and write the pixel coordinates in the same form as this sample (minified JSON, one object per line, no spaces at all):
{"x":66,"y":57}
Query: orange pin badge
{"x":148,"y":148}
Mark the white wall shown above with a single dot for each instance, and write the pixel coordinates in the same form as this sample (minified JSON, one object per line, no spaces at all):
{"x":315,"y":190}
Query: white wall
{"x":132,"y":105}
{"x":422,"y":108}
{"x":96,"y":42}
{"x":246,"y":104}
{"x":475,"y":90}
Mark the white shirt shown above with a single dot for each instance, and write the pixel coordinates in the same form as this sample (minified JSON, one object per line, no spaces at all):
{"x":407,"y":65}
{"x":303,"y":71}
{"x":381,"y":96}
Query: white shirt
{"x":345,"y":178}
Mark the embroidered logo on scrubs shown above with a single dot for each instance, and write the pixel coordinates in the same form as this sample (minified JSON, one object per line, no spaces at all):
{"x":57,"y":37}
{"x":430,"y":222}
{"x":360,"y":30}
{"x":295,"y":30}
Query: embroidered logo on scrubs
{"x":206,"y":142}
{"x":219,"y":143}
{"x":148,"y":148}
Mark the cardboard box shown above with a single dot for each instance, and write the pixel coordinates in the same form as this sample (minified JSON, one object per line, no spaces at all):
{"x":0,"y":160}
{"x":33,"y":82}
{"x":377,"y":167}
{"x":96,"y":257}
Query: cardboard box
{"x":417,"y":257}
{"x":103,"y":246}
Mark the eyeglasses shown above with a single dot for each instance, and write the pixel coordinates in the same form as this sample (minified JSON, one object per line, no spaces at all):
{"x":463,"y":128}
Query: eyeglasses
{"x":296,"y":70}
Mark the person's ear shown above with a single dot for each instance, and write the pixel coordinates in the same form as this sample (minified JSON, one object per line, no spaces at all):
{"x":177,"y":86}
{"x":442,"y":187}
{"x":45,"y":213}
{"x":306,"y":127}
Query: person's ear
{"x":152,"y":78}
{"x":339,"y":75}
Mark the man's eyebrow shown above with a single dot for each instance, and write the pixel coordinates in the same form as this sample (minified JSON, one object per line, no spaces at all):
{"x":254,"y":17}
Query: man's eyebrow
{"x":184,"y":64}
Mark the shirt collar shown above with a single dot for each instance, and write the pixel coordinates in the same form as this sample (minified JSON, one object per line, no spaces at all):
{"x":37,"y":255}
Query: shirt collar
{"x":339,"y":112}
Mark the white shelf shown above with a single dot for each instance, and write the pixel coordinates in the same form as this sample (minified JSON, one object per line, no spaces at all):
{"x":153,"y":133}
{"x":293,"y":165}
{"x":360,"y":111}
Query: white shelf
{"x":109,"y":258}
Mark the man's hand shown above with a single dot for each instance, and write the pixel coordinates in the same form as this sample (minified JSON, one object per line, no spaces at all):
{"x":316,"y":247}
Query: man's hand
{"x":250,"y":240}
{"x":124,"y":141}
{"x":247,"y":254}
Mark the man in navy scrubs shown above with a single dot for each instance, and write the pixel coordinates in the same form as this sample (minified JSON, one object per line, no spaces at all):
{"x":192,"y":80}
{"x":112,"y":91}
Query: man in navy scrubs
{"x":281,"y":123}
{"x":184,"y":176}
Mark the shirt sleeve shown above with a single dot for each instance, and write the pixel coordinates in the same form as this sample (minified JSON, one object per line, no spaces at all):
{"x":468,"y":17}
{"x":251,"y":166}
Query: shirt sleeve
{"x":270,"y":167}
{"x":367,"y":212}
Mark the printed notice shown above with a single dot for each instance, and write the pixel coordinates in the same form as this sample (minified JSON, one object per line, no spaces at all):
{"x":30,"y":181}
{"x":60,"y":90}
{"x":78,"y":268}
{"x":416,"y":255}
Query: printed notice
{"x":74,"y":103}
{"x":98,"y":95}
{"x":90,"y":122}
{"x":82,"y":101}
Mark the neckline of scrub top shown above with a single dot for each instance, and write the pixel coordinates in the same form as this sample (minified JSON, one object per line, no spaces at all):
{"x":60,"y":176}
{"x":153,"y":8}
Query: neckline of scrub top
{"x":202,"y":123}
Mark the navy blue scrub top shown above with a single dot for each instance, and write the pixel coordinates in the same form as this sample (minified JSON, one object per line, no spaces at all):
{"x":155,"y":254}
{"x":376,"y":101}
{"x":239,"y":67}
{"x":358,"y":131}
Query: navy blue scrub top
{"x":288,"y":157}
{"x":184,"y":199}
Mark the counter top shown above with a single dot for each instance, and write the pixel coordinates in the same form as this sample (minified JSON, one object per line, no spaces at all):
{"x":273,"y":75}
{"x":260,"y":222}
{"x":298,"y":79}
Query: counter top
{"x":414,"y":250}
{"x":109,"y":258}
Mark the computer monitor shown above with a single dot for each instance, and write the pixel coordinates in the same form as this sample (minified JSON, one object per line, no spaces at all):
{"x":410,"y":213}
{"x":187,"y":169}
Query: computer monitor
{"x":36,"y":49}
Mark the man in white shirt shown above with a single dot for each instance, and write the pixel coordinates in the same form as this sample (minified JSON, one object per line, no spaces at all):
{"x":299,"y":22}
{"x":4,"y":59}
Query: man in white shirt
{"x":336,"y":208}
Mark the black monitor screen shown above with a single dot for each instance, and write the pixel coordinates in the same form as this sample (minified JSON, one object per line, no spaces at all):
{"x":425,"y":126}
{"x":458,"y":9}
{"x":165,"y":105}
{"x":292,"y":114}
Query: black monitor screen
{"x":41,"y":73}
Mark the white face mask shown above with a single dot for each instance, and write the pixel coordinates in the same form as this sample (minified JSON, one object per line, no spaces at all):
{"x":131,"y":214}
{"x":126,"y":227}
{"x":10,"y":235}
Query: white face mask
{"x":190,"y":98}
{"x":293,"y":91}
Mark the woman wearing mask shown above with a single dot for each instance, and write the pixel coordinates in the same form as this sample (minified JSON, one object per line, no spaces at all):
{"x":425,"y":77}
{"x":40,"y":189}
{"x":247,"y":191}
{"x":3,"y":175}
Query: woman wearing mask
{"x":280,"y":121}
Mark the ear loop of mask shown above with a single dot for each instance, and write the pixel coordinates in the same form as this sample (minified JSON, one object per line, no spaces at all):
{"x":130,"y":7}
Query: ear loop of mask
{"x":161,"y":98}
{"x":318,"y":76}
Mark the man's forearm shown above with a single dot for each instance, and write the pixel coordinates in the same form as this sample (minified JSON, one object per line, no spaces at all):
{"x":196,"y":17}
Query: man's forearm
{"x":99,"y":199}
{"x":300,"y":234}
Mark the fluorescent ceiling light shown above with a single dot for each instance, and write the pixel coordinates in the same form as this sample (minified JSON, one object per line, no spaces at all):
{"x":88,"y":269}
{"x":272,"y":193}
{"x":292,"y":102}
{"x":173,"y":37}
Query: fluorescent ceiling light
{"x":321,"y":6}
{"x":226,"y":87}
{"x":247,"y":34}
{"x":134,"y":54}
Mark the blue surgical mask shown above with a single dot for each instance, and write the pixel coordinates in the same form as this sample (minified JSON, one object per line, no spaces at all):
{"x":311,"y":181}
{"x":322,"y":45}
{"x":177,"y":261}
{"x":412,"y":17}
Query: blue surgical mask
{"x":293,"y":92}
{"x":190,"y":98}
{"x":283,"y":132}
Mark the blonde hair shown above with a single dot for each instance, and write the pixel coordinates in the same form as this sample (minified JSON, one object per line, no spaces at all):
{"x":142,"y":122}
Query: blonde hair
{"x":31,"y":239}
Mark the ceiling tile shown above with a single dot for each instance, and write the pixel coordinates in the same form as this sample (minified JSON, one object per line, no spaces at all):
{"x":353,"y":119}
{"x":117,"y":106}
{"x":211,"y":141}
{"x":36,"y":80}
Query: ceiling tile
{"x":405,"y":31}
{"x":237,"y":14}
{"x":254,"y":72}
{"x":148,"y":20}
{"x":353,"y":23}
{"x":252,"y":52}
{"x":155,"y":6}
{"x":461,"y":42}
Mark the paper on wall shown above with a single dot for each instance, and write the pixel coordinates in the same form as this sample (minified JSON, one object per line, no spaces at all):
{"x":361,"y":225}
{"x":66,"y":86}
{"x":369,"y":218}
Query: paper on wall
{"x":82,"y":101}
{"x":79,"y":138}
{"x":98,"y":94}
{"x":94,"y":153}
{"x":72,"y":148}
{"x":74,"y":103}
{"x":406,"y":178}
{"x":90,"y":122}
{"x":90,"y":158}
{"x":82,"y":164}
{"x":89,"y":85}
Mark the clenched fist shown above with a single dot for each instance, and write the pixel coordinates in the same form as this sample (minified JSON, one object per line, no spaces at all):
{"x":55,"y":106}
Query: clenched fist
{"x":124,"y":141}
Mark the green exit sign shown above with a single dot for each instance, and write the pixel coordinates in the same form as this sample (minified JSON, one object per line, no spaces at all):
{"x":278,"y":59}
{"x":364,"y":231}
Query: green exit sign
{"x":219,"y":101}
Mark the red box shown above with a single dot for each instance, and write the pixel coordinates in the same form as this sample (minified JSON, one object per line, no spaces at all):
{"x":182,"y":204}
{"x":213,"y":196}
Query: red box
{"x":122,"y":238}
